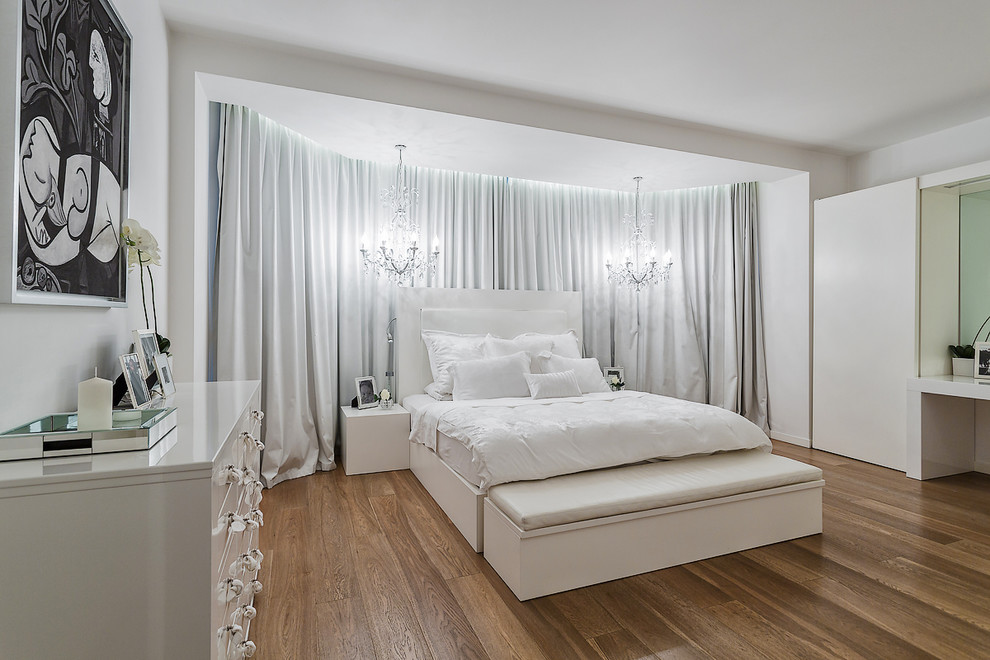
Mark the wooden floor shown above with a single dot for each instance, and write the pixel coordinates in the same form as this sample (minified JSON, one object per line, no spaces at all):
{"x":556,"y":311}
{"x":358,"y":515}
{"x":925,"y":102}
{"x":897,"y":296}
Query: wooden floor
{"x":369,"y":567}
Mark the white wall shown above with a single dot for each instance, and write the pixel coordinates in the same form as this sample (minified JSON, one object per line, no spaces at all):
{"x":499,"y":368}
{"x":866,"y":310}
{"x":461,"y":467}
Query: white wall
{"x":785,"y":260}
{"x":193,"y":54}
{"x":46,"y":350}
{"x":953,"y":147}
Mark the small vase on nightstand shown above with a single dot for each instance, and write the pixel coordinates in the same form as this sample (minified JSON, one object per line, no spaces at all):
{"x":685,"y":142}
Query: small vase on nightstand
{"x":385,"y":403}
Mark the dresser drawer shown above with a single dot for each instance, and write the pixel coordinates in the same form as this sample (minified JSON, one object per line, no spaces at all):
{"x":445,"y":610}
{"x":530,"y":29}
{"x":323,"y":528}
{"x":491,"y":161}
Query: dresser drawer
{"x":237,"y":519}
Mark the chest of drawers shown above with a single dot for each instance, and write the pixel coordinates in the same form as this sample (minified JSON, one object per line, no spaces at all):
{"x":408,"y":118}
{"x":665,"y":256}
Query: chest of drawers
{"x":120,"y":555}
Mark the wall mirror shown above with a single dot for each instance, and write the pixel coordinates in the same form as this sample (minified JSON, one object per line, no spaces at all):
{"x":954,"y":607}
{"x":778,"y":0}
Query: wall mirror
{"x":974,"y":263}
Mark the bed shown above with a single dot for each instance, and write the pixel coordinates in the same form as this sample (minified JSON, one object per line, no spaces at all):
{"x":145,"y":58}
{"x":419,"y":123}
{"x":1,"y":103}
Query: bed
{"x":553,"y":513}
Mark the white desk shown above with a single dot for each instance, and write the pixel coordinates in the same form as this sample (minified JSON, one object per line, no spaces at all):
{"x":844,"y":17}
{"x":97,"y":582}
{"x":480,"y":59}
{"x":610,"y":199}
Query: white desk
{"x":948,"y":426}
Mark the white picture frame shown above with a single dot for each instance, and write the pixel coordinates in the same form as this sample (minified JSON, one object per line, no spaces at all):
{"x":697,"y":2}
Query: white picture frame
{"x":981,"y":365}
{"x":136,"y":385}
{"x":164,"y":372}
{"x":366,"y":396}
{"x":608,"y":372}
{"x":146,"y":347}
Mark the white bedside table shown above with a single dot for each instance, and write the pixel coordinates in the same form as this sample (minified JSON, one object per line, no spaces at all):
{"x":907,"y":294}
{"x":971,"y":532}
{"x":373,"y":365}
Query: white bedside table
{"x":374,"y":439}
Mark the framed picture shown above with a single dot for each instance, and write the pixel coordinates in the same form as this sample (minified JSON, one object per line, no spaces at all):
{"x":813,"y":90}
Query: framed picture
{"x":614,"y":371}
{"x":982,"y":363}
{"x":70,"y":156}
{"x":164,"y":374}
{"x":146,"y":346}
{"x":366,"y":391}
{"x":136,"y":387}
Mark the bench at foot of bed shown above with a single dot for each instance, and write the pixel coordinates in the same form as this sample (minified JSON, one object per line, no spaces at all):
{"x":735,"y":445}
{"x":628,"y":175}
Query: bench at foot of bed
{"x":572,"y":531}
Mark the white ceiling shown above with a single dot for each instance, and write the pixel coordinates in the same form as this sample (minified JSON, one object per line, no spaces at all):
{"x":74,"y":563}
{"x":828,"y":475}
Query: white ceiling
{"x":368,"y":130}
{"x":841,"y":75}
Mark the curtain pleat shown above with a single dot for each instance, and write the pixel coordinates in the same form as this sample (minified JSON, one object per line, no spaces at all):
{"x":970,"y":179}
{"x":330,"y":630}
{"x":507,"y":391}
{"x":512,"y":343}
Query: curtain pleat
{"x":295,"y":309}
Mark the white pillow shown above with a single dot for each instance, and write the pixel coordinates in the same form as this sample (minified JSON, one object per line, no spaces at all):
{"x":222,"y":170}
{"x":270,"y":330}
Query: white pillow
{"x":532,"y":344}
{"x":446,"y":348}
{"x":588,"y":371}
{"x":435,"y":392}
{"x":552,"y":386}
{"x":566,"y":345}
{"x":492,"y":378}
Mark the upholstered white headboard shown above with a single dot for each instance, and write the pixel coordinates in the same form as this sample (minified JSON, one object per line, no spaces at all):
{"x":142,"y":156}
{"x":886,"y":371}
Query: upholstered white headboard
{"x":472,"y":311}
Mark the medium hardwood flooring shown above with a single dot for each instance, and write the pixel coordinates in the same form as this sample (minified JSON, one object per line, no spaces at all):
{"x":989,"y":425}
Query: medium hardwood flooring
{"x":369,"y":567}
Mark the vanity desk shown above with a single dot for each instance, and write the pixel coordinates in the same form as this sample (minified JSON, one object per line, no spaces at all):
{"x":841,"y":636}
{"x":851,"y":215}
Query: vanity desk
{"x":948,"y":426}
{"x":119,"y":555}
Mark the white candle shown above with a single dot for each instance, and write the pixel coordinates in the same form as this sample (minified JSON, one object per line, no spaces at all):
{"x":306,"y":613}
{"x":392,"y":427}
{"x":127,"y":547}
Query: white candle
{"x":95,"y":404}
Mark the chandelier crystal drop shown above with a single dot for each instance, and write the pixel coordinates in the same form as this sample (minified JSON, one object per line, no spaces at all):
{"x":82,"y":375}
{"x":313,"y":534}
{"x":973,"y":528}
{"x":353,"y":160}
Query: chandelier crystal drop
{"x":639,"y":266}
{"x":399,"y":257}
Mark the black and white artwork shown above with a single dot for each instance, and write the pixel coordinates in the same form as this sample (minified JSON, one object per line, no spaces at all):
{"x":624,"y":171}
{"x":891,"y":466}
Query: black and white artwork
{"x":982,"y":360}
{"x":136,"y":387}
{"x":366,"y":391}
{"x":72,"y":163}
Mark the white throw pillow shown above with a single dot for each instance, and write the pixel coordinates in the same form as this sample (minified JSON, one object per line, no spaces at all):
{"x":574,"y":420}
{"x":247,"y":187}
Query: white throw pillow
{"x":566,"y":344}
{"x":552,"y":386}
{"x":491,"y":378}
{"x":532,"y":344}
{"x":435,"y":392}
{"x":588,"y":371}
{"x":446,"y":348}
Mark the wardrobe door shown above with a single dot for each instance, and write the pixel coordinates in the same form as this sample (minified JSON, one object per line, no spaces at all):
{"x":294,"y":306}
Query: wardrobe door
{"x":865,"y":321}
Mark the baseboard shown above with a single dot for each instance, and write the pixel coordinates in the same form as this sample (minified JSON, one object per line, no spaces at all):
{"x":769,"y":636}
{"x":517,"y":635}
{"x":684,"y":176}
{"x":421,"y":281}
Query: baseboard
{"x":790,"y":439}
{"x":982,"y":467}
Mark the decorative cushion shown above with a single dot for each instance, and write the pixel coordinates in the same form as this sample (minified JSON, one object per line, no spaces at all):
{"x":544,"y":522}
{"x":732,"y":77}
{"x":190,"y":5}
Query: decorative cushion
{"x":446,"y":348}
{"x":551,"y":386}
{"x":492,"y":378}
{"x":588,"y":371}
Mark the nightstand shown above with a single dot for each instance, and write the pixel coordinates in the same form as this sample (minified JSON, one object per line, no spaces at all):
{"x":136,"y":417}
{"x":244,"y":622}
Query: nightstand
{"x":374,"y":439}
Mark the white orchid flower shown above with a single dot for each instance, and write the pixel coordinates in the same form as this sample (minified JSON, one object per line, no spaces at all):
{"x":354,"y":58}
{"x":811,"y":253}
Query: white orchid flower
{"x":142,"y":246}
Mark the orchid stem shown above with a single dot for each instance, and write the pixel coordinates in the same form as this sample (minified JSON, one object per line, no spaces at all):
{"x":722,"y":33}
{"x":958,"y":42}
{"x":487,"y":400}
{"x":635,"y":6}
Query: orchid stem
{"x":154,"y":308}
{"x":143,"y":303}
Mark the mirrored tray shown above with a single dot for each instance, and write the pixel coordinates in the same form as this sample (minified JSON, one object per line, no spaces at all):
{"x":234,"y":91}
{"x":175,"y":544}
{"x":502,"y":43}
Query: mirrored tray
{"x":58,"y":435}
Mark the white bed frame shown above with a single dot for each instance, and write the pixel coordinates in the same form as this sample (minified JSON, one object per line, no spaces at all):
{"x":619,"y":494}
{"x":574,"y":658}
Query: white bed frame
{"x":544,"y":561}
{"x":467,"y":311}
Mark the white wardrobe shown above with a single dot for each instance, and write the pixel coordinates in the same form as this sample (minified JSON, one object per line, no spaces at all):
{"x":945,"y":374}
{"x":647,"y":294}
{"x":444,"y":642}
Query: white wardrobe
{"x":865,"y":328}
{"x":886,"y":307}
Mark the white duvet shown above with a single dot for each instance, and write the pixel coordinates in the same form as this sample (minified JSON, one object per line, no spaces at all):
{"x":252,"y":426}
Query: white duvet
{"x":522,"y":439}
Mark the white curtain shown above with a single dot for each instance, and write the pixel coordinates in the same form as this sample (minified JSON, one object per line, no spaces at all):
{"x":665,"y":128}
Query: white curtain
{"x":294,"y":307}
{"x":276,"y":288}
{"x":699,"y":335}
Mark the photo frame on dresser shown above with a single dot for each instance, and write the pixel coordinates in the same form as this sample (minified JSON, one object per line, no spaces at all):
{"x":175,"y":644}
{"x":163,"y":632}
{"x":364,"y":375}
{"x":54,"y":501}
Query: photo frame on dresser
{"x":70,"y":158}
{"x":146,"y":346}
{"x":164,"y":372}
{"x":137,"y":388}
{"x":981,"y":365}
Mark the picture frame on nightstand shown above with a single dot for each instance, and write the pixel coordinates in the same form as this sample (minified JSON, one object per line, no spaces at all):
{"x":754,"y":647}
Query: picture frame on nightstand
{"x":366,"y":392}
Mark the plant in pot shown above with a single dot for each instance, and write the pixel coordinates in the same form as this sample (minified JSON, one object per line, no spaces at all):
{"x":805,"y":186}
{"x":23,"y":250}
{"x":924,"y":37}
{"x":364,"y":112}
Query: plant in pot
{"x":964,"y":356}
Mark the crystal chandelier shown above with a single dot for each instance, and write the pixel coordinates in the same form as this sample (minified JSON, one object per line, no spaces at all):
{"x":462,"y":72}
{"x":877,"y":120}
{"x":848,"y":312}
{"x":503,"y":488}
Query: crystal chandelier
{"x":399,"y":258}
{"x":639,"y":266}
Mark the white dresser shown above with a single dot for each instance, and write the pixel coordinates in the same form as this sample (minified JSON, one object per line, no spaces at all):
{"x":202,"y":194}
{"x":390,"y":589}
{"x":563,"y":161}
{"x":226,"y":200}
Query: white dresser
{"x":120,"y":555}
